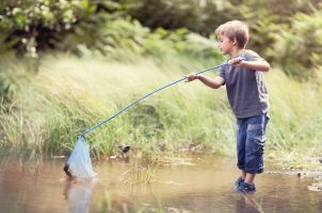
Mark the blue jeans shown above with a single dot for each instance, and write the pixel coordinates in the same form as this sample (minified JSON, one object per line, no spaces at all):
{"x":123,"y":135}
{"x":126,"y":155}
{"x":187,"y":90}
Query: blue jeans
{"x":251,"y":143}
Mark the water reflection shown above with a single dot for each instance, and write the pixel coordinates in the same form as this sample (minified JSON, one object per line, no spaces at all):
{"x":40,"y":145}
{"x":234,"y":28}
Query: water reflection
{"x":248,"y":204}
{"x":78,"y":194}
{"x":205,"y":186}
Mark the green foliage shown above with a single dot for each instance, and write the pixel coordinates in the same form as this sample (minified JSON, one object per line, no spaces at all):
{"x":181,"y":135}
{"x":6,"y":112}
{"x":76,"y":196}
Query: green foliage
{"x":298,"y":49}
{"x":51,"y":115}
{"x":204,"y":16}
{"x":69,"y":95}
{"x":13,"y":77}
{"x":266,"y":19}
{"x":295,"y":118}
{"x":159,"y":27}
{"x":196,"y":15}
{"x":157,"y":41}
{"x":67,"y":25}
{"x":34,"y":25}
{"x":125,"y":34}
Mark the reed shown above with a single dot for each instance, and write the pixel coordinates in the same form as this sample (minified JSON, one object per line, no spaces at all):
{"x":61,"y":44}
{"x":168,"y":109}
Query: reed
{"x":68,"y":95}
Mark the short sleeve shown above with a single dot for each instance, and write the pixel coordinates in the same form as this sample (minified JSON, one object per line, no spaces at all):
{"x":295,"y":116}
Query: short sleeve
{"x":251,"y":55}
{"x":221,"y":72}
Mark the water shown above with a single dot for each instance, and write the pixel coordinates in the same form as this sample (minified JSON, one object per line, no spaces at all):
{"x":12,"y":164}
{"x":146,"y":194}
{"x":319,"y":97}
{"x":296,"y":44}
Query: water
{"x":197,"y":184}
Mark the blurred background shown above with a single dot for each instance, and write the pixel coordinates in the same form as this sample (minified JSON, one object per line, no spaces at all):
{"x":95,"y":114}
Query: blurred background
{"x":65,"y":65}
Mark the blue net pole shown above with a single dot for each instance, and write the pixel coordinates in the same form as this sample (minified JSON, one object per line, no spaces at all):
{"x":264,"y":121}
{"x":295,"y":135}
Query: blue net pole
{"x":146,"y":96}
{"x":79,"y":162}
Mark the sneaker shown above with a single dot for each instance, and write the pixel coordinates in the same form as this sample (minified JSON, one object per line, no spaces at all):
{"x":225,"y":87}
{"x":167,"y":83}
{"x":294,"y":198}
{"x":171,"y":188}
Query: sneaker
{"x":246,"y":188}
{"x":239,"y":181}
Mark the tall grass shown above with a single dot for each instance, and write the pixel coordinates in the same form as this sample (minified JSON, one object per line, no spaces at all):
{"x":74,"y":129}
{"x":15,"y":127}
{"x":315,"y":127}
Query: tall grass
{"x":69,"y":95}
{"x":76,"y":94}
{"x":293,"y":134}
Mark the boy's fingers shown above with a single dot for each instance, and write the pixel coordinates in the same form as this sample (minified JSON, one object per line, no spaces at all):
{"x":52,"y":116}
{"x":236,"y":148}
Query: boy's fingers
{"x":190,"y":77}
{"x":233,"y":61}
{"x":187,"y":80}
{"x":236,"y":60}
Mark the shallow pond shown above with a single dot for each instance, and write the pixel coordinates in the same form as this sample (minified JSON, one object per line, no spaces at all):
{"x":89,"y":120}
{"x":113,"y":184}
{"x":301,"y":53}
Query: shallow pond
{"x":180,"y":185}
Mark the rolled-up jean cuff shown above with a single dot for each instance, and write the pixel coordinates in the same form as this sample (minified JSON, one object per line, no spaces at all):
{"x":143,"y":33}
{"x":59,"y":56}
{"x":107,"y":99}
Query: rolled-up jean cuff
{"x":241,"y":167}
{"x":258,"y":171}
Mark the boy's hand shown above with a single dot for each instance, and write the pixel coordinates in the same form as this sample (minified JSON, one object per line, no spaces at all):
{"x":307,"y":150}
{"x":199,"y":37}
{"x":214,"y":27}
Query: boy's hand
{"x":236,"y":61}
{"x":192,"y":77}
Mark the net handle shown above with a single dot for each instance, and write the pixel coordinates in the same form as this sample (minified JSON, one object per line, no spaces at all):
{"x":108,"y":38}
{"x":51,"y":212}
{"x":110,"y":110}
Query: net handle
{"x":146,"y":96}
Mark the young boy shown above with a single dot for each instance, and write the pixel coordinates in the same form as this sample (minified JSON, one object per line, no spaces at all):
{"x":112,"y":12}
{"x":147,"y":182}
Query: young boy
{"x":248,"y":98}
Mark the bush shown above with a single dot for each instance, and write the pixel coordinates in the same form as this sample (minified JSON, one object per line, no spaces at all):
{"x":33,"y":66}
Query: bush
{"x":120,"y":34}
{"x":31,"y":25}
{"x":68,"y":24}
{"x":298,"y":49}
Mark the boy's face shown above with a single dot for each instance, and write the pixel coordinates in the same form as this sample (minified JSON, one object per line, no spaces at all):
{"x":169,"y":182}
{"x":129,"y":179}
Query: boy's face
{"x":225,"y":44}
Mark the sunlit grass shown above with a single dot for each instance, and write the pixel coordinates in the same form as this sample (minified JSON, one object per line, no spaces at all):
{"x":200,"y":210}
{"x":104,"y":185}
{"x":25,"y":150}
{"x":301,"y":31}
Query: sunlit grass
{"x":84,"y":92}
{"x":69,"y":95}
{"x":296,"y":119}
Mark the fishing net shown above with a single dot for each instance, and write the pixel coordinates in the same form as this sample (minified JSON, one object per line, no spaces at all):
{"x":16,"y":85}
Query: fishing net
{"x":79,"y":162}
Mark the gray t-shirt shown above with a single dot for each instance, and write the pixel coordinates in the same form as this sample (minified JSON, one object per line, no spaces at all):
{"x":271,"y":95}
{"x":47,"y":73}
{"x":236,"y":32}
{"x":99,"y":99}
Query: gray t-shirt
{"x":246,"y":91}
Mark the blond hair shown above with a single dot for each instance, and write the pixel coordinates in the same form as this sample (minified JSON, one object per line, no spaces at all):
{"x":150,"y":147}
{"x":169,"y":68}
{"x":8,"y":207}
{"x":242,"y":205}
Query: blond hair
{"x":234,"y":30}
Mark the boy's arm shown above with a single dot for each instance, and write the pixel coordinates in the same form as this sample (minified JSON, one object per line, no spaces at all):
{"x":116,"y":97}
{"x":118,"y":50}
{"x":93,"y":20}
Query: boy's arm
{"x":212,"y":83}
{"x":260,"y":65}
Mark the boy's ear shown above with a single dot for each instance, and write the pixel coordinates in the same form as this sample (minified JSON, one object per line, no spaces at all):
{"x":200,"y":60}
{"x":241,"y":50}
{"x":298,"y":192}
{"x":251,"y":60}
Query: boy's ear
{"x":235,"y":42}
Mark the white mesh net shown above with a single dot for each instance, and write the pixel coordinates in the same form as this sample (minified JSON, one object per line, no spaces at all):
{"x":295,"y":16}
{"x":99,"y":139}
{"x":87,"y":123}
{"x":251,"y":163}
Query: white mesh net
{"x":79,"y":163}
